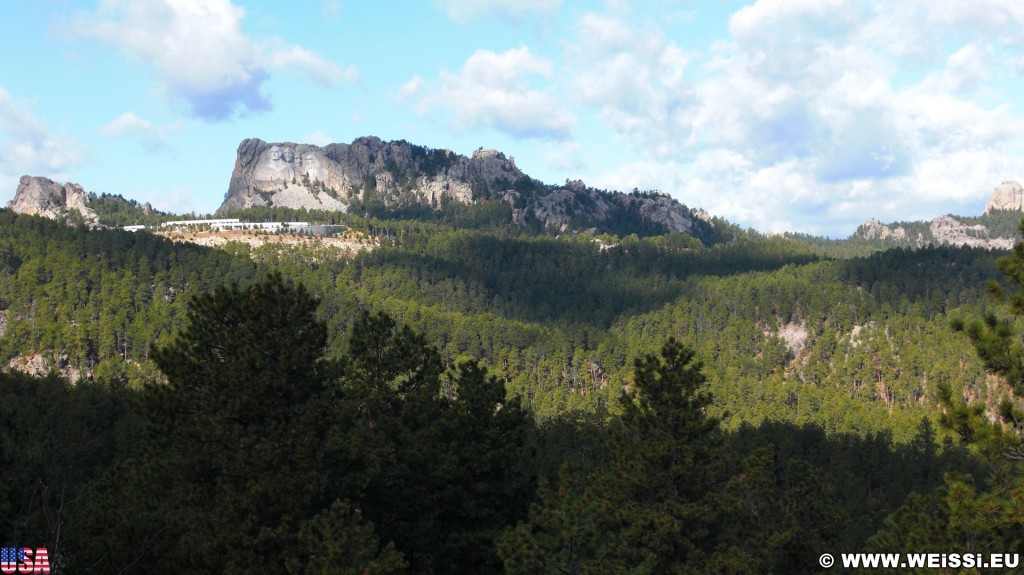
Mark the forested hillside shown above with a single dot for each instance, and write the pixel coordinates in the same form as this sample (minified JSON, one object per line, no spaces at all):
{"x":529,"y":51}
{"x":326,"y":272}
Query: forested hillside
{"x":565,"y":384}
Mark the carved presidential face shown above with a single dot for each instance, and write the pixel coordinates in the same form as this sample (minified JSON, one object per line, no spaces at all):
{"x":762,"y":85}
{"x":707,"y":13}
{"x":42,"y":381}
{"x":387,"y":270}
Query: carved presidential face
{"x":288,"y":155}
{"x":274,"y":153}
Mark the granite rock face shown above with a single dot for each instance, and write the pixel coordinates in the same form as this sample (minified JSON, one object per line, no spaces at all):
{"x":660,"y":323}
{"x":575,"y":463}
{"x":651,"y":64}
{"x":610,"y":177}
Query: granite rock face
{"x":328,"y":178}
{"x":943,"y":230}
{"x":949,"y":230}
{"x":44,"y":197}
{"x":876,"y":230}
{"x":339,"y":176}
{"x":1007,"y":196}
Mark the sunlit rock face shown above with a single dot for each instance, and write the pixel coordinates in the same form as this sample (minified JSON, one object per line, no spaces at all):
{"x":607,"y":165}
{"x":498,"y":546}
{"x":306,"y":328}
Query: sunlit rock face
{"x":876,"y":230}
{"x":338,"y":176}
{"x":44,"y":197}
{"x":301,"y":175}
{"x":296,"y":175}
{"x":943,"y":230}
{"x":1007,"y":196}
{"x":282,"y":164}
{"x":949,"y":230}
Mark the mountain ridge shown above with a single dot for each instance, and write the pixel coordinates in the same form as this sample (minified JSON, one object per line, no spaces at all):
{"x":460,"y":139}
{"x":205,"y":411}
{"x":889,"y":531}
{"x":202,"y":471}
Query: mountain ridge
{"x":69,"y":203}
{"x":370,"y":172}
{"x":397,"y":178}
{"x":44,"y":197}
{"x":985,"y":231}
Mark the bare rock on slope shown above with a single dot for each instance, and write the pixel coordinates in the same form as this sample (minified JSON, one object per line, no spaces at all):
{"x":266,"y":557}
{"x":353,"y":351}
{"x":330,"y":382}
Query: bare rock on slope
{"x":44,"y":197}
{"x":1007,"y":196}
{"x":949,"y":230}
{"x":338,"y":176}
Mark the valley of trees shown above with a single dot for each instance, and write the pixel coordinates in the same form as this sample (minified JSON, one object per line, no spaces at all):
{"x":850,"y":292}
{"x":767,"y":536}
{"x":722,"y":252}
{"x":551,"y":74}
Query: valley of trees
{"x":486,"y":399}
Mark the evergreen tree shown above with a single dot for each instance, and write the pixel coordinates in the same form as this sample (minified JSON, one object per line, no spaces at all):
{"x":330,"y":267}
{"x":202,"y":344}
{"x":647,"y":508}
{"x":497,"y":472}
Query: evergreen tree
{"x":652,"y":508}
{"x":999,"y":342}
{"x":455,"y":454}
{"x":247,"y":452}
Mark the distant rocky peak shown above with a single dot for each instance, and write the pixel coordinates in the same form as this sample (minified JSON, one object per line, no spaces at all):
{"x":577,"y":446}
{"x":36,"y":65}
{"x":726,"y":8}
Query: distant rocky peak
{"x":372,"y":172}
{"x":492,"y":155}
{"x":1007,"y":196}
{"x":876,"y":230}
{"x":45,"y":197}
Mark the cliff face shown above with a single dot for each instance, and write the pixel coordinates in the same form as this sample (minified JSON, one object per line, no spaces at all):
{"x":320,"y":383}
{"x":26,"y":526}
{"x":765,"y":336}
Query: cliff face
{"x":943,"y":230}
{"x":44,"y":197}
{"x":948,"y":230}
{"x":1007,"y":196}
{"x":338,"y":176}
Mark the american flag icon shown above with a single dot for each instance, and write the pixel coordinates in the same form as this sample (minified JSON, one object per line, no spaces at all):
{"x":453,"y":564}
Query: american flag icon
{"x":10,"y":556}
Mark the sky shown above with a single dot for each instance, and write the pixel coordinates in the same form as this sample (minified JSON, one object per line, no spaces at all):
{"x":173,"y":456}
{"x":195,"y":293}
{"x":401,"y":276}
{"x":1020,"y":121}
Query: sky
{"x":779,"y":115}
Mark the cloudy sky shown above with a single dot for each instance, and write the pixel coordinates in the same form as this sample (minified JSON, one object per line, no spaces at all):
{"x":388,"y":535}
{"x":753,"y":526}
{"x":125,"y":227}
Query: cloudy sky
{"x":800,"y":115}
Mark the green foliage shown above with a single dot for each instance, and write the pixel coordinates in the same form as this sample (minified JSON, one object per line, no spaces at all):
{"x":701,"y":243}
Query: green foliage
{"x":456,"y":458}
{"x":999,"y":343}
{"x":115,"y":211}
{"x":55,"y":440}
{"x":956,"y":516}
{"x":651,"y":508}
{"x":338,"y":542}
{"x":94,"y":301}
{"x":404,"y":447}
{"x":669,"y":492}
{"x":246,"y":452}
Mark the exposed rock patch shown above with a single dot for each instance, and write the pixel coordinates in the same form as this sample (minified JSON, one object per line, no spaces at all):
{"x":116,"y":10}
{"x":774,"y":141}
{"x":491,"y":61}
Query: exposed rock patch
{"x":795,"y":337}
{"x":44,"y":197}
{"x":948,"y":230}
{"x":876,"y":230}
{"x":39,"y":365}
{"x":330,"y":247}
{"x":1008,"y":195}
{"x":340,"y":176}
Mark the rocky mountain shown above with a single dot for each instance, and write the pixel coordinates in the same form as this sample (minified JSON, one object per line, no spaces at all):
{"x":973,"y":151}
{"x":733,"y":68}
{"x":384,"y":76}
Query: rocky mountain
{"x":1007,"y":196}
{"x":398,"y":174}
{"x":71,"y":204}
{"x":44,"y":197}
{"x":995,"y":229}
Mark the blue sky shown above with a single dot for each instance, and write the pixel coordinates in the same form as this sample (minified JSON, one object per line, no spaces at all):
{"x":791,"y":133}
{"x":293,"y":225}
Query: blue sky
{"x":798,"y":115}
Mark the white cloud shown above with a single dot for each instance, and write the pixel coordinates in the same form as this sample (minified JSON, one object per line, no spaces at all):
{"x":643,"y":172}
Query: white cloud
{"x":816,"y":115}
{"x":510,"y":9}
{"x":410,"y":88}
{"x":643,"y":174}
{"x":128,"y":125}
{"x":317,"y":138}
{"x":200,"y":53}
{"x":313,"y":66}
{"x":795,"y":20}
{"x":497,"y":90}
{"x":564,"y":157}
{"x":29,"y":147}
{"x":635,"y":78}
{"x":331,"y":8}
{"x":176,"y":200}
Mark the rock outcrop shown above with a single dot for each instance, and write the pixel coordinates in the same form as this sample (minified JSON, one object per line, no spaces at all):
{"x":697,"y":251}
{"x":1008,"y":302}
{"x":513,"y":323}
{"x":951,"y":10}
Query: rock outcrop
{"x":369,"y":171}
{"x":876,"y":230}
{"x":41,"y":365}
{"x":1007,"y":196}
{"x":943,"y":230}
{"x":44,"y":197}
{"x":949,"y":230}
